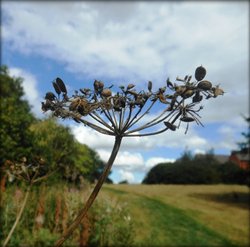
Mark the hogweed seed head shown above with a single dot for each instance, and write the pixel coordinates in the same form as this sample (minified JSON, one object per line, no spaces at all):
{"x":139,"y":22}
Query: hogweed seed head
{"x":119,"y":113}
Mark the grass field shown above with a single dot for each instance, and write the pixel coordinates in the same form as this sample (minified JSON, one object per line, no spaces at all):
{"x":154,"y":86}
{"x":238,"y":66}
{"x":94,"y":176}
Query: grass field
{"x":185,"y":215}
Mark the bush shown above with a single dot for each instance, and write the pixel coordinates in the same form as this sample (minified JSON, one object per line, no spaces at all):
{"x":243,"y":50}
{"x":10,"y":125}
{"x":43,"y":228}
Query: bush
{"x":202,"y":169}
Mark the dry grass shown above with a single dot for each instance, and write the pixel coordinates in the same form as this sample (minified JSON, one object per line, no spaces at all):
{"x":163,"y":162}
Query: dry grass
{"x":223,"y":208}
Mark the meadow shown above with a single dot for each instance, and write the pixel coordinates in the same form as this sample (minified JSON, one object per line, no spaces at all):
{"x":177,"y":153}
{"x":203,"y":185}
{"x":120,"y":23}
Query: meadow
{"x":186,"y":215}
{"x":131,"y":215}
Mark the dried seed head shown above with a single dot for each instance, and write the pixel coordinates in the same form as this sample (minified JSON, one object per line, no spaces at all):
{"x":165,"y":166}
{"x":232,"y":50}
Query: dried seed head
{"x":204,"y":85}
{"x":200,"y":73}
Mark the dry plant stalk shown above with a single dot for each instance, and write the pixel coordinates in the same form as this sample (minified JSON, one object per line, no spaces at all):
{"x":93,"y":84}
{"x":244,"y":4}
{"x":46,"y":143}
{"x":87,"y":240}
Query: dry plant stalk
{"x":120,"y":114}
{"x":29,"y":172}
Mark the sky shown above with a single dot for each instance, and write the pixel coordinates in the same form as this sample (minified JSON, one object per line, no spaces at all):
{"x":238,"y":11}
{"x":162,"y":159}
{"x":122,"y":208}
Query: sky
{"x":134,"y":42}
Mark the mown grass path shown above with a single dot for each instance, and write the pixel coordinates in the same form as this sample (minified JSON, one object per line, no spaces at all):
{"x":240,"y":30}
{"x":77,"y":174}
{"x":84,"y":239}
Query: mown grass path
{"x":160,"y":224}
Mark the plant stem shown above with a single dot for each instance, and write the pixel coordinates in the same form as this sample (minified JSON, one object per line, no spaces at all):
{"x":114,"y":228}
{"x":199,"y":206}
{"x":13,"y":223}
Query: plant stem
{"x":18,"y":216}
{"x":93,"y":195}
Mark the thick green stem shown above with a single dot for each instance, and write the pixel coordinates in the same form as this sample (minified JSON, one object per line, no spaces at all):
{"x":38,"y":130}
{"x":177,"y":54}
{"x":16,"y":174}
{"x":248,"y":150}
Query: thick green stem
{"x":18,"y":216}
{"x":93,"y":195}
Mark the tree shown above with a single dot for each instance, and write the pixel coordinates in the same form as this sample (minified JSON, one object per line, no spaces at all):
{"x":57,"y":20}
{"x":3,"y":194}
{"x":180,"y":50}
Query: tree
{"x":245,"y":145}
{"x":15,"y":118}
{"x":187,"y":169}
{"x":57,"y":145}
{"x":231,"y":173}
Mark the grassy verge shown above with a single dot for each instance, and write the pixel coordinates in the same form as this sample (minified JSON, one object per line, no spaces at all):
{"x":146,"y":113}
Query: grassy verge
{"x":165,"y":221}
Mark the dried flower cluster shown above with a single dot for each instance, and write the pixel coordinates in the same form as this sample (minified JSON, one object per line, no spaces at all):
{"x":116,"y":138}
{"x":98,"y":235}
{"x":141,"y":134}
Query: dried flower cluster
{"x":115,"y":113}
{"x":30,"y":172}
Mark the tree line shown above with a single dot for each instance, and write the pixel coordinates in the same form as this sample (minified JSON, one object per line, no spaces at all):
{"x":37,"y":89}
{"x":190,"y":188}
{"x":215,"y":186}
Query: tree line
{"x":198,"y":169}
{"x":24,"y":135}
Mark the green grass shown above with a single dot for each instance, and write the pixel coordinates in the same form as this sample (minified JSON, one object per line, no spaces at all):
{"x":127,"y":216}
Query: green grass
{"x":135,"y":216}
{"x":160,"y":222}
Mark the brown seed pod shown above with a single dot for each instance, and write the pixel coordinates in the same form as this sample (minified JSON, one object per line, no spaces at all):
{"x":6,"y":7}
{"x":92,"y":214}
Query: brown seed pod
{"x":162,"y":98}
{"x":106,"y":93}
{"x":170,"y":126}
{"x":101,"y":85}
{"x":61,"y":85}
{"x":130,"y":86}
{"x":169,"y":84}
{"x":204,"y":85}
{"x":180,"y":89}
{"x":150,"y":86}
{"x":74,"y":104}
{"x":50,"y":96}
{"x":217,"y":91}
{"x":96,"y":85}
{"x":188,"y":94}
{"x":197,"y":97}
{"x":200,"y":73}
{"x":56,"y":87}
{"x":187,"y":119}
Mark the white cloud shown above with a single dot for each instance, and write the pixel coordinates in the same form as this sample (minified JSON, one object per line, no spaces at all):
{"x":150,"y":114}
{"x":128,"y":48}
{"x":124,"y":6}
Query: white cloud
{"x":141,"y":41}
{"x":168,"y":139}
{"x":30,"y":88}
{"x":126,"y":175}
{"x":156,"y":160}
{"x":137,"y":42}
{"x":125,"y":159}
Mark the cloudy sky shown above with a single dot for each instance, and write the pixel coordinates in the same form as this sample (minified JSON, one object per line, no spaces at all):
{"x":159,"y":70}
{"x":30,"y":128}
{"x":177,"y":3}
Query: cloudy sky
{"x":134,"y":42}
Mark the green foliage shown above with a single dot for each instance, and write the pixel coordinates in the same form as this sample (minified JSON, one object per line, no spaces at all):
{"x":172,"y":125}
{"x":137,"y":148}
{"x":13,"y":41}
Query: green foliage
{"x":231,"y":173}
{"x":200,"y":169}
{"x":109,"y":224}
{"x":22,"y":135}
{"x":57,"y":145}
{"x":112,"y":225}
{"x":15,"y":118}
{"x":245,"y":145}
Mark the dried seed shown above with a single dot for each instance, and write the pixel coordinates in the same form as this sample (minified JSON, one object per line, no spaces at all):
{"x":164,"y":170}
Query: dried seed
{"x":56,"y":87}
{"x":187,"y":119}
{"x":188,"y":94}
{"x":170,"y":126}
{"x":162,"y":98}
{"x":50,"y":96}
{"x":74,"y":104}
{"x":150,"y":86}
{"x":96,"y":85}
{"x":204,"y":85}
{"x":217,"y":91}
{"x":130,"y":86}
{"x":200,"y":73}
{"x":61,"y":85}
{"x":169,"y":84}
{"x":106,"y":93}
{"x":197,"y":97}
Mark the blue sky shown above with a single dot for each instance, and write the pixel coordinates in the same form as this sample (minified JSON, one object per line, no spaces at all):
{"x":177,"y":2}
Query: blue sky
{"x":134,"y":42}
